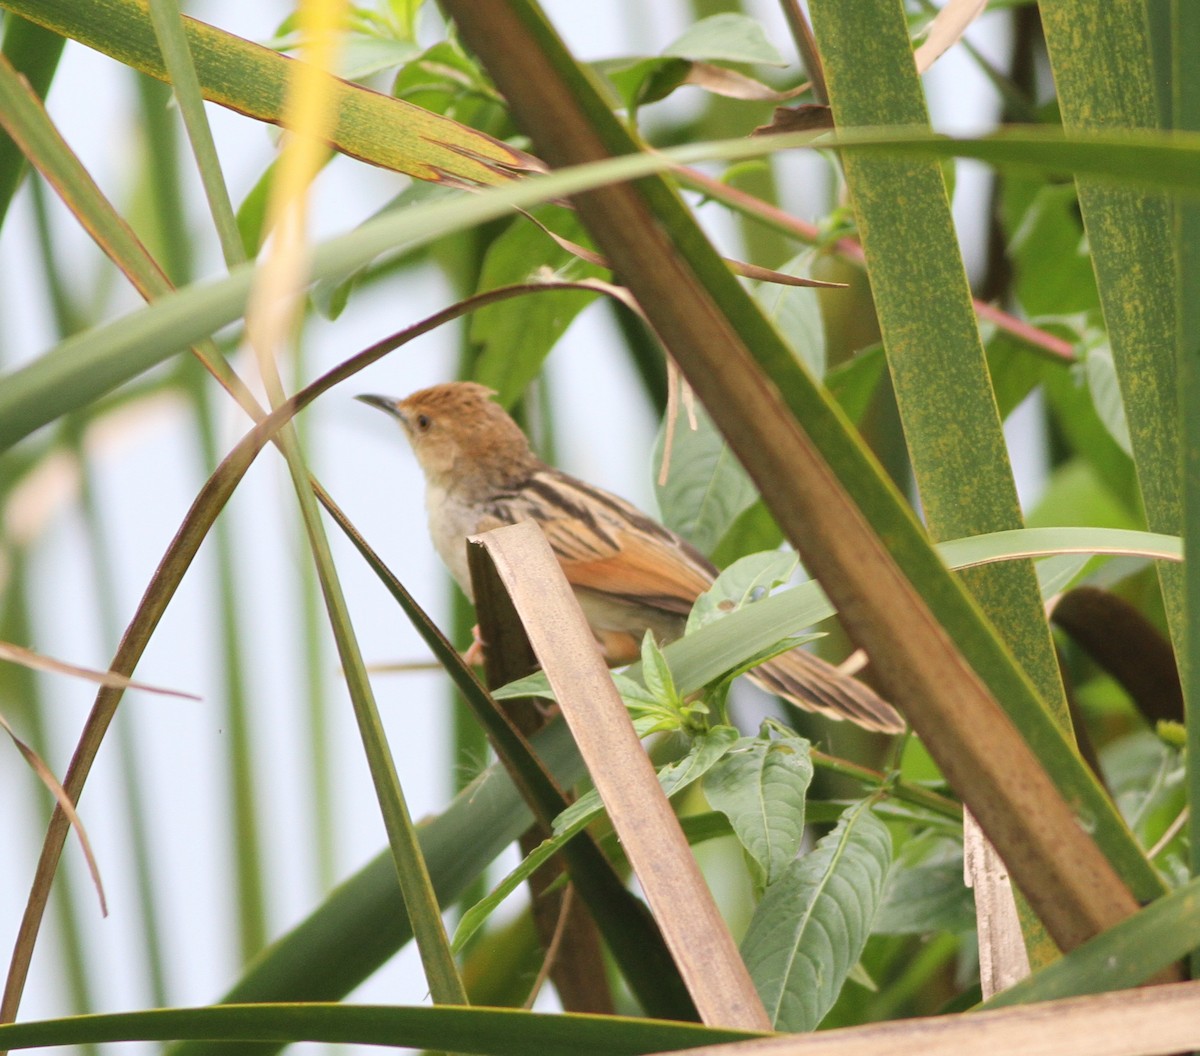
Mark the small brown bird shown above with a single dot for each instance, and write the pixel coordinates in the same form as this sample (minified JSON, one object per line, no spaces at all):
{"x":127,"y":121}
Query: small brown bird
{"x":629,"y":573}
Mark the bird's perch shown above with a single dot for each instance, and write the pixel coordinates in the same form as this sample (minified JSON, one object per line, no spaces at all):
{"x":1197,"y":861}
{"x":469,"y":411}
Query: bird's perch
{"x":694,"y":931}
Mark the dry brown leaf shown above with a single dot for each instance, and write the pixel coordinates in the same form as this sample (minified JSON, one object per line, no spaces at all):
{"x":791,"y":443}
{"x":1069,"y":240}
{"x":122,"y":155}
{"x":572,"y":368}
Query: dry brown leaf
{"x":28,"y":658}
{"x":46,"y":775}
{"x":675,"y":889}
{"x":1152,"y":1021}
{"x":946,"y":30}
{"x":734,"y":85}
{"x":808,"y":117}
{"x":738,"y":267}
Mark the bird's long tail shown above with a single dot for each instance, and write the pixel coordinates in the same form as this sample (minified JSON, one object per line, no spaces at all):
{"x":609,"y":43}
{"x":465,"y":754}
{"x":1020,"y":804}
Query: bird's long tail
{"x":814,"y":685}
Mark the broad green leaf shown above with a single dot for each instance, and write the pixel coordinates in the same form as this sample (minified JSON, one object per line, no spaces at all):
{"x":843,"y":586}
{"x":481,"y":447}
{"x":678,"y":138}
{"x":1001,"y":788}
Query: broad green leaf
{"x":1146,"y":777}
{"x":747,"y":580}
{"x":1106,"y":395}
{"x":925,"y":891}
{"x":754,"y":530}
{"x":796,"y":312}
{"x":809,"y":930}
{"x":1049,"y":252}
{"x":854,"y":383}
{"x":726,"y":38}
{"x":513,"y":339}
{"x":1014,"y":369}
{"x":1074,"y":413}
{"x":760,"y":785}
{"x":706,"y":488}
{"x":643,"y":80}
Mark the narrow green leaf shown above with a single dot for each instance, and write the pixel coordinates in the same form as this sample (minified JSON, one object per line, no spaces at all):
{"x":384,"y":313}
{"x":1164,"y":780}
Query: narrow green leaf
{"x":93,"y":363}
{"x":939,"y":372}
{"x":34,"y":53}
{"x":498,"y":1032}
{"x":252,"y":80}
{"x":1103,"y":73}
{"x":809,"y":930}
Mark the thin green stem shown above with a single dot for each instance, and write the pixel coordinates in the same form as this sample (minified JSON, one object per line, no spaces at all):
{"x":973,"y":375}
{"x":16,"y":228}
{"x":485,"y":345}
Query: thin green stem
{"x":914,"y":794}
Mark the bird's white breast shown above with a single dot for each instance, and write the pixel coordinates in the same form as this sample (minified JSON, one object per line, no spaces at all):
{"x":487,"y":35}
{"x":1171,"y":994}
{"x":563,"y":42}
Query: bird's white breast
{"x":450,"y":522}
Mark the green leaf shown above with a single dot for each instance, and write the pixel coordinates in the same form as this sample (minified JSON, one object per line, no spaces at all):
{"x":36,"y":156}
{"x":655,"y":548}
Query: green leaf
{"x":501,"y":1032}
{"x":514,"y":338}
{"x":705,"y":752}
{"x":645,"y":80}
{"x":809,"y":930}
{"x":854,"y":383}
{"x":760,"y":785}
{"x":252,"y":80}
{"x":753,"y":530}
{"x":747,"y":580}
{"x":925,"y":891}
{"x":796,"y":312}
{"x":726,"y":38}
{"x":1106,"y":395}
{"x":1075,"y":414}
{"x":1053,"y":271}
{"x":1014,"y":369}
{"x":405,"y":14}
{"x":706,"y":488}
{"x":656,"y":673}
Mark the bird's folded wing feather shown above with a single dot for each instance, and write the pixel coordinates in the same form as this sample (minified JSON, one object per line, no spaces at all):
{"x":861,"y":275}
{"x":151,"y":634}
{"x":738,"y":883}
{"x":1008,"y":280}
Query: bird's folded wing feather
{"x":609,"y":547}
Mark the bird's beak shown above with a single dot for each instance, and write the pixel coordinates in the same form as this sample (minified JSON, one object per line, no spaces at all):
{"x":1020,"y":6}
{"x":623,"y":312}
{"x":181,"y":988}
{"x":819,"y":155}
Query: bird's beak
{"x":384,"y":403}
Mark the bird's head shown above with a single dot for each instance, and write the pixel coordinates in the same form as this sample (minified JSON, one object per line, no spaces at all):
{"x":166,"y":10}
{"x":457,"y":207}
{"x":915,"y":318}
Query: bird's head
{"x":461,"y":437}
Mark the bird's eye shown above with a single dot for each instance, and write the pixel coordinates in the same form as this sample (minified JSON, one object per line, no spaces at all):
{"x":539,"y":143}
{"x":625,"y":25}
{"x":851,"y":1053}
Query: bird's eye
{"x":424,"y":422}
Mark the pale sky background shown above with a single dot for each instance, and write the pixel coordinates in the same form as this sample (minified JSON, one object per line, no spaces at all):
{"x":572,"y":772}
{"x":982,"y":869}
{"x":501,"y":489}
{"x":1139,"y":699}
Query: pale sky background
{"x":148,"y":476}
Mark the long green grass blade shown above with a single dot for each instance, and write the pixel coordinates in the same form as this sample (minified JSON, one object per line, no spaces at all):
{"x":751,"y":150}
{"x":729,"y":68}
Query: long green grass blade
{"x":34,"y":53}
{"x":1102,"y":69}
{"x":171,"y":33}
{"x":79,"y":369}
{"x":939,"y":373}
{"x":492,"y":1031}
{"x":1183,"y":75}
